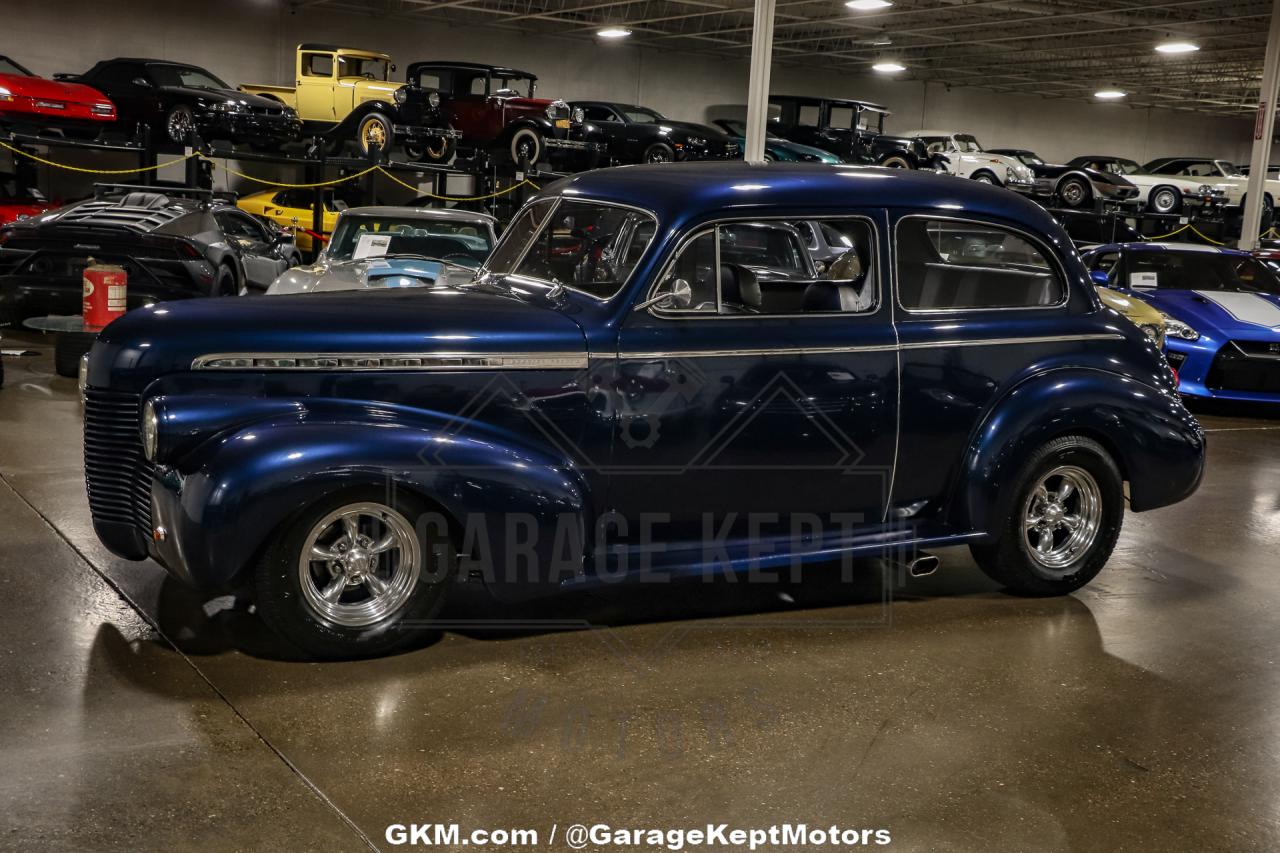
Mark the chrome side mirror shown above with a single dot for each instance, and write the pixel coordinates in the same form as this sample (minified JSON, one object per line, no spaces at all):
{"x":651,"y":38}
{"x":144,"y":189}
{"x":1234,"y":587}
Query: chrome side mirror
{"x":678,"y":297}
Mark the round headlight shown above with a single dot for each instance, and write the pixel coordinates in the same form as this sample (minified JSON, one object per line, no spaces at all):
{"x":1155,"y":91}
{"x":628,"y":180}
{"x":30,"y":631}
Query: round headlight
{"x":434,"y":99}
{"x":1155,"y":332}
{"x":150,"y":430}
{"x":1205,"y":189}
{"x":1180,"y":330}
{"x":401,"y":95}
{"x":579,"y":115}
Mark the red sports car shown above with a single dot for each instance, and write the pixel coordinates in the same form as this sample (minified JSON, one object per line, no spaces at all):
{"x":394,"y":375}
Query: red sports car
{"x":18,"y":200}
{"x":28,"y":101}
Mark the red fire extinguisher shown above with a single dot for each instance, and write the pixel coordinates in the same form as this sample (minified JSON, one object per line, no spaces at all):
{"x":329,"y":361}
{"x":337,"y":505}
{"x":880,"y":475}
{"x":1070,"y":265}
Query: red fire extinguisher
{"x":105,"y":286}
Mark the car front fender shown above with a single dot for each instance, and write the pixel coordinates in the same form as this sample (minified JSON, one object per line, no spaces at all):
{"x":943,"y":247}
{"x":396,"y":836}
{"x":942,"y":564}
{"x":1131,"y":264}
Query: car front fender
{"x":509,"y":505}
{"x":1157,"y":444}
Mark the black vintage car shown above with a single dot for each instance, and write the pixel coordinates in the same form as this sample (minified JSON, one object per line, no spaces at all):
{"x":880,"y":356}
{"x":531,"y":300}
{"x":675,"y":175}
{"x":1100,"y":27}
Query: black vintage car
{"x":852,"y":130}
{"x":1075,"y":186}
{"x":172,"y":243}
{"x":174,"y":99}
{"x":640,"y":135}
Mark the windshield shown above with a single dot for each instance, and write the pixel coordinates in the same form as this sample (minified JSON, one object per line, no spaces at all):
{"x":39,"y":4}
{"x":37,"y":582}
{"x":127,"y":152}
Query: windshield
{"x":522,"y":86}
{"x":8,"y":66}
{"x":967,"y":143}
{"x":733,"y":126}
{"x":1199,"y":271}
{"x":1029,"y":158}
{"x":359,"y":237}
{"x":1229,"y":169}
{"x":184,"y":76}
{"x":642,"y":116}
{"x":584,"y":245}
{"x":1117,"y":167}
{"x":363,"y":66}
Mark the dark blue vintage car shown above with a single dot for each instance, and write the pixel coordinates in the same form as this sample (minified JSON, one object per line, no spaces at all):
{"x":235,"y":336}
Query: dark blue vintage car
{"x":649,"y":377}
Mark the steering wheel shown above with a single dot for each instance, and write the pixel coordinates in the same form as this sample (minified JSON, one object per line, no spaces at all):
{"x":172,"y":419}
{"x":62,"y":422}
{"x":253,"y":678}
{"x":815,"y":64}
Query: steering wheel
{"x":594,"y":256}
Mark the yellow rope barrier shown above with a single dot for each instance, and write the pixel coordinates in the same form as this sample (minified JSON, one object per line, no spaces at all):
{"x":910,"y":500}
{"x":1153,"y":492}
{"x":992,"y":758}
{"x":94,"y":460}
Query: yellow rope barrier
{"x":509,"y":189}
{"x":139,"y":170}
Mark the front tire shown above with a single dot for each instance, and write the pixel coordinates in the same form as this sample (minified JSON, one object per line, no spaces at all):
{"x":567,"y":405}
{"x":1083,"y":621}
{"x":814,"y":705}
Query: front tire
{"x":1075,"y":193}
{"x":526,"y":148}
{"x":1165,"y":200}
{"x":897,"y":161}
{"x":179,"y":124}
{"x":224,"y":283}
{"x":354,"y":575}
{"x":437,"y":149}
{"x":985,"y":177}
{"x":1063,"y":522}
{"x":659,"y":152}
{"x":374,"y":129}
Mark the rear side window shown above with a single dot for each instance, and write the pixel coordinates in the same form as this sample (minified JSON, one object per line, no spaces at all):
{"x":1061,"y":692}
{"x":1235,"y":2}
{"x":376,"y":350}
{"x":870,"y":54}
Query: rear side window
{"x":950,"y":265}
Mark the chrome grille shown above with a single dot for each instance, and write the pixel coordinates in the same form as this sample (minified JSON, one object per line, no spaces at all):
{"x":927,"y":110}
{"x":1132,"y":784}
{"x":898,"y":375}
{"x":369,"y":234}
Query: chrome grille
{"x":118,"y":478}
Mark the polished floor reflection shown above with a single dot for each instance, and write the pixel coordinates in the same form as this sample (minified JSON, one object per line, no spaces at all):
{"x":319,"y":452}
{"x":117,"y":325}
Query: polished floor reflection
{"x":1138,"y":714}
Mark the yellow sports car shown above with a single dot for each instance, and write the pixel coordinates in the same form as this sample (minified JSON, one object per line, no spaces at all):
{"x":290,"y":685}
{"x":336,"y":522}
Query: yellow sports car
{"x":292,"y":209}
{"x":1136,"y":311}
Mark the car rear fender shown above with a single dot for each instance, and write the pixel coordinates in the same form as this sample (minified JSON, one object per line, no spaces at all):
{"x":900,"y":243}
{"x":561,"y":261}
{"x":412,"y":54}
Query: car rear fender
{"x":1157,"y":444}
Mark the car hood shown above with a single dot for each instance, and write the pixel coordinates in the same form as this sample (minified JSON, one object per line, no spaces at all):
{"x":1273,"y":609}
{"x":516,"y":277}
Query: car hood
{"x":1226,"y":314}
{"x":166,"y":338}
{"x":224,"y":95}
{"x":53,"y":90}
{"x":703,"y":130}
{"x":367,"y":273}
{"x":799,"y":150}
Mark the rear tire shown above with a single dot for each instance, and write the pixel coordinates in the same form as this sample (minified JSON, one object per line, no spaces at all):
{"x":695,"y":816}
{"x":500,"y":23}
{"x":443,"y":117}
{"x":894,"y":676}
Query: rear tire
{"x":659,"y":152}
{"x":438,"y":149}
{"x":1053,"y":543}
{"x":1075,"y":193}
{"x":896,"y":161}
{"x":68,"y":348}
{"x":224,"y":284}
{"x":331,"y":608}
{"x":1165,"y":200}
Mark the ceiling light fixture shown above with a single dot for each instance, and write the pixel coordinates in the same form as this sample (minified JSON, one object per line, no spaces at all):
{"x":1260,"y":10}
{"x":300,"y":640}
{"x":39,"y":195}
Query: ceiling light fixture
{"x":1109,"y":94}
{"x":613,"y":33}
{"x":888,"y":67}
{"x":1177,"y":47}
{"x":868,"y":5}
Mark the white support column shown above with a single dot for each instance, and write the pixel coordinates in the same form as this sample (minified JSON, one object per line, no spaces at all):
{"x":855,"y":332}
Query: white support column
{"x":1262,"y":135}
{"x":758,"y":89}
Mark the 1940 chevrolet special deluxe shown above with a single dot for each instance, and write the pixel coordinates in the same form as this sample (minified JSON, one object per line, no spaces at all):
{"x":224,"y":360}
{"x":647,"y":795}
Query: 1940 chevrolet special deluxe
{"x":651,"y":375}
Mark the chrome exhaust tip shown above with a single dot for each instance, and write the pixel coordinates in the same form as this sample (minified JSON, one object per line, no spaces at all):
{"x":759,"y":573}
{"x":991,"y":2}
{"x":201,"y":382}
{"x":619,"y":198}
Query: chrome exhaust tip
{"x":923,"y":566}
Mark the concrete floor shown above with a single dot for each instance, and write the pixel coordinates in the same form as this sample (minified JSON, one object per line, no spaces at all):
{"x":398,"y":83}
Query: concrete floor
{"x":1138,"y":714}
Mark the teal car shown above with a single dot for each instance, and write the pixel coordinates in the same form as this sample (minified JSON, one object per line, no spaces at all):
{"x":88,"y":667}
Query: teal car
{"x":775,"y":148}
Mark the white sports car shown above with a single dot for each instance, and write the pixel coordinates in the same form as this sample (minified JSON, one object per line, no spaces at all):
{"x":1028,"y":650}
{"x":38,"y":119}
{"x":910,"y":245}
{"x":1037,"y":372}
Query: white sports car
{"x":1160,"y":193}
{"x":1222,"y":173}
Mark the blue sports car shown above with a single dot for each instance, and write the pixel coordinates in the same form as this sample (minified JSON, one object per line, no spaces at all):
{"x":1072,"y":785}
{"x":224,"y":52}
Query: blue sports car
{"x":775,"y":148}
{"x":1223,"y":307}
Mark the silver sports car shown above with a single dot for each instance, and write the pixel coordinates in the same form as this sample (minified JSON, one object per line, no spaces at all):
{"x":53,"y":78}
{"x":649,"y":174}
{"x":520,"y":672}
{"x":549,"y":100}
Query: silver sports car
{"x":394,"y":247}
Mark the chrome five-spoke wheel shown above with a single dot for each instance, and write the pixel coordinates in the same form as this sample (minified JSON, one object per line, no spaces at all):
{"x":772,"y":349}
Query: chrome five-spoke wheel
{"x":359,"y":564}
{"x":1062,"y":517}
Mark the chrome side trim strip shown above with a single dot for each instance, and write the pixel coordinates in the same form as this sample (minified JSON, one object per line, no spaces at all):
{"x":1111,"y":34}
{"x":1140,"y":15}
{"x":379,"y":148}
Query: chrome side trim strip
{"x":917,"y":345}
{"x":390,"y":361}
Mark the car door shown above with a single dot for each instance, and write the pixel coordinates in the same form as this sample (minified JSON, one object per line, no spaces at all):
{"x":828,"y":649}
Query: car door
{"x":762,"y":397}
{"x":611,"y":124}
{"x":258,"y":252}
{"x":316,"y":87}
{"x":980,"y":300}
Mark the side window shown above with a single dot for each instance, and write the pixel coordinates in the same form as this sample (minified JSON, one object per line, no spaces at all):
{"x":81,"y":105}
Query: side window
{"x":317,"y":65}
{"x":479,"y":85}
{"x":775,"y":267}
{"x":808,"y":115}
{"x":600,"y":114}
{"x":948,"y":265}
{"x":841,"y":117}
{"x":237,"y":225}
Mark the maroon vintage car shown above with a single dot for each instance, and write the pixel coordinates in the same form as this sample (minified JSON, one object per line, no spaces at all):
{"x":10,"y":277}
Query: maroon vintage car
{"x":495,"y":109}
{"x":28,"y":102}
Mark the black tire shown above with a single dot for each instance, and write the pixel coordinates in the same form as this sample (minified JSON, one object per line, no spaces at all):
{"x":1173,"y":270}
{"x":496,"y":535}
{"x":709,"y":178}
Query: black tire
{"x":68,"y":348}
{"x":438,"y":149}
{"x":224,"y":283}
{"x":179,"y":123}
{"x":659,"y":152}
{"x":1010,"y":560}
{"x":525,"y":148}
{"x":374,"y":128}
{"x":896,"y":161}
{"x":1075,"y":192}
{"x":1164,"y":199}
{"x":986,"y":177}
{"x":284,"y":602}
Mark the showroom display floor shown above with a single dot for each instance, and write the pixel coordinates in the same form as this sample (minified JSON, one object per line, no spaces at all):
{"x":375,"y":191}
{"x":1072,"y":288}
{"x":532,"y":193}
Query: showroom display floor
{"x":1137,"y":714}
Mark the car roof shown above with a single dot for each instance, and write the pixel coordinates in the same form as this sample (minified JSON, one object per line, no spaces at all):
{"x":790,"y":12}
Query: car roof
{"x":434,"y":214}
{"x":679,"y":192}
{"x":1148,"y":246}
{"x":813,"y":99}
{"x":501,"y":70}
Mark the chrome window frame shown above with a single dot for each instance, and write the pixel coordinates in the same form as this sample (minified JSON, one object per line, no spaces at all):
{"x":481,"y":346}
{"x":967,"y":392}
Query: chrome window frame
{"x":1054,"y":261}
{"x":669,"y":314}
{"x":556,"y":202}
